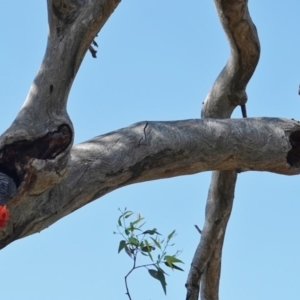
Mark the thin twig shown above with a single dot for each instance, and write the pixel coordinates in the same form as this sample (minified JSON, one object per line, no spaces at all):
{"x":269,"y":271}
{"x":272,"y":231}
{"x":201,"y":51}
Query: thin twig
{"x":244,"y":111}
{"x":134,"y":267}
{"x":199,"y":230}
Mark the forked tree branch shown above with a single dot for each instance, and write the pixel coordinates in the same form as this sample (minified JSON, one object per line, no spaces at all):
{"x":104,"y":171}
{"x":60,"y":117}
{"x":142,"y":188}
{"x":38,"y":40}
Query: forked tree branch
{"x":228,"y":91}
{"x":35,"y":149}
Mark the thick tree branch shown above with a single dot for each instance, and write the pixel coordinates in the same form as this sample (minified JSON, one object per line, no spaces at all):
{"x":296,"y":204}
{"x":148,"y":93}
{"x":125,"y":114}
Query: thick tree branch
{"x":211,"y":276}
{"x":207,"y":259}
{"x":209,"y":252}
{"x":228,"y":91}
{"x":35,"y":149}
{"x":155,"y":150}
{"x":54,"y":179}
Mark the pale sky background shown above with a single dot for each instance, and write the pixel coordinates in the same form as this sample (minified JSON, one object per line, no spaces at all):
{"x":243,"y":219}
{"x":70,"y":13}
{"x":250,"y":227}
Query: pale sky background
{"x":157,"y":61}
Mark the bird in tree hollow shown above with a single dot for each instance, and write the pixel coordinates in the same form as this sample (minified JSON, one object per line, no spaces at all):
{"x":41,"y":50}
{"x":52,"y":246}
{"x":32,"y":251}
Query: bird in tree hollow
{"x":8,"y":190}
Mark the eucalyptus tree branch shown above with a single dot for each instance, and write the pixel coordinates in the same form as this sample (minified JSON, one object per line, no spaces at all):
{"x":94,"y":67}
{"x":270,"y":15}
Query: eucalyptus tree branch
{"x":229,"y":89}
{"x":154,"y":150}
{"x":126,"y":276}
{"x":35,"y":149}
{"x":227,"y":92}
{"x":211,"y":276}
{"x":209,"y":251}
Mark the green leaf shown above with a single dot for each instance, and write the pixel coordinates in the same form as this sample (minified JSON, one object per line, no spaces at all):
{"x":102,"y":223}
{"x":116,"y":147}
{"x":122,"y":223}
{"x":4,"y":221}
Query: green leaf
{"x":159,"y":275}
{"x":173,"y":259}
{"x":124,"y":214}
{"x":160,"y":269}
{"x":131,"y":227}
{"x":137,"y":221}
{"x":171,"y":235}
{"x":170,"y":260}
{"x":133,"y":241}
{"x":119,"y":221}
{"x":127,"y":250}
{"x":148,"y":249}
{"x":121,"y":246}
{"x":172,"y":266}
{"x":156,"y":243}
{"x":151,"y":232}
{"x":128,"y":214}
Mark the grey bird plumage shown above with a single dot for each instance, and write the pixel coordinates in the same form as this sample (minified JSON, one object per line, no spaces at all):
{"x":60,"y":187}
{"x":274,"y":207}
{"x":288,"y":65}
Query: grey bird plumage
{"x":8,"y":188}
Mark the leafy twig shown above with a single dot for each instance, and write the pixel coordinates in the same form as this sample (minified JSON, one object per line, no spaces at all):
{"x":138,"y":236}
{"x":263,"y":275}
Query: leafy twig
{"x":136,"y":241}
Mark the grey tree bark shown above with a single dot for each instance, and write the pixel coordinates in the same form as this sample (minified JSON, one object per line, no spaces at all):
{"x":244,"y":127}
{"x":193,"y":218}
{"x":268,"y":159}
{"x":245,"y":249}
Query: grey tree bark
{"x":228,"y":91}
{"x":55,"y":178}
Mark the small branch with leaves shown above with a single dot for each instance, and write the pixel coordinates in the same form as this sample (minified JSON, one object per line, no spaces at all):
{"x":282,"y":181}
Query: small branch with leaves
{"x":136,"y":241}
